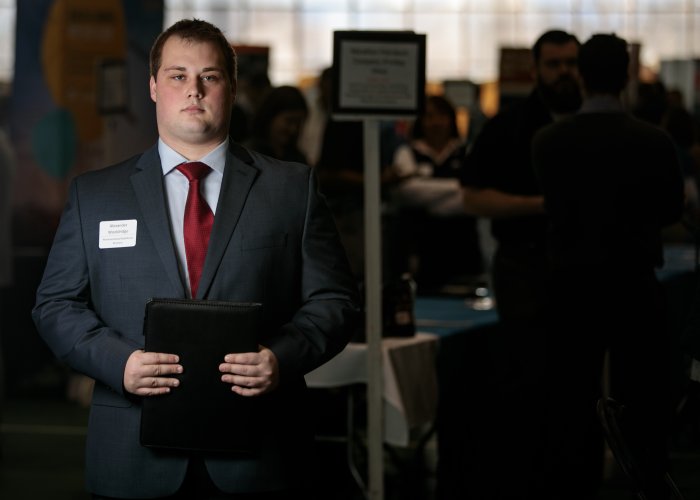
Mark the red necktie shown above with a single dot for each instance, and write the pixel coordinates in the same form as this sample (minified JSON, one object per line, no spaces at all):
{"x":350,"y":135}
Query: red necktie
{"x":198,"y":221}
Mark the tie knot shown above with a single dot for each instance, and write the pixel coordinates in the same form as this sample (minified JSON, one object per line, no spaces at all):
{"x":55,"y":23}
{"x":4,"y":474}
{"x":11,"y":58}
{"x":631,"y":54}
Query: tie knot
{"x":194,"y":170}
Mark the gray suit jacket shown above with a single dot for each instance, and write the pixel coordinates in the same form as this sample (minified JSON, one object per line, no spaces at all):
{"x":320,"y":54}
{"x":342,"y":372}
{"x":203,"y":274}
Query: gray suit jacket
{"x":273,"y":242}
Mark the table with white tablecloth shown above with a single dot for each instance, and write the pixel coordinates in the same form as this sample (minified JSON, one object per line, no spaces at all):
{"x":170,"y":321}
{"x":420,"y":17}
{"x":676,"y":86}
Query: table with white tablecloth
{"x":410,"y":383}
{"x":409,"y":365}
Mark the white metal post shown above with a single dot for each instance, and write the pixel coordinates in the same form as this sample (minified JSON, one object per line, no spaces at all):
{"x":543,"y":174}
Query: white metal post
{"x":373,"y":308}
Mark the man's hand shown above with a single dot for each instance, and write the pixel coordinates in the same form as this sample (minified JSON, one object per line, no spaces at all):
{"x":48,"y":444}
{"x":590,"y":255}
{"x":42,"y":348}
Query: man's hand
{"x":146,"y":373}
{"x":251,"y":373}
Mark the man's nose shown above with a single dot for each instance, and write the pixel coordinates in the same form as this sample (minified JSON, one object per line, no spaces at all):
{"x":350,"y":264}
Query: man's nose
{"x":195,"y":90}
{"x":567,"y":66}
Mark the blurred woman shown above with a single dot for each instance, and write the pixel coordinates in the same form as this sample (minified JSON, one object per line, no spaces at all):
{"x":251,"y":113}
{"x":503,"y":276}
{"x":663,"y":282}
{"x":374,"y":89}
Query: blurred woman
{"x":442,"y":241}
{"x":278,"y":122}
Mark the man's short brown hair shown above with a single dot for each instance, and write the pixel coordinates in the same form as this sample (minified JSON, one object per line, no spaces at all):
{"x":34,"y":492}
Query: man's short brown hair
{"x":195,"y":30}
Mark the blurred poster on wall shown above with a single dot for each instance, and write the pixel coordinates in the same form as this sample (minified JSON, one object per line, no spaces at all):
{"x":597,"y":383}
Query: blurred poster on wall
{"x":461,"y":93}
{"x":79,"y":100}
{"x":253,"y":61}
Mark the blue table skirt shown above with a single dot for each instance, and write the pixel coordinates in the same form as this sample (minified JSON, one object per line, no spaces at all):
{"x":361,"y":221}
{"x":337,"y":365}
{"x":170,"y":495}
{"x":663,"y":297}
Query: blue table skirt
{"x":446,"y":316}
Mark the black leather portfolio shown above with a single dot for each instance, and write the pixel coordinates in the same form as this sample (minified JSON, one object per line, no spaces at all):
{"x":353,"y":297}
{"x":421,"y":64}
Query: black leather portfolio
{"x":202,"y":413}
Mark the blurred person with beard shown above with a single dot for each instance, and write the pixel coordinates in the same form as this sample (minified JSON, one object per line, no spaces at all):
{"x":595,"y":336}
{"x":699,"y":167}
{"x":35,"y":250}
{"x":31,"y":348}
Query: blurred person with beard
{"x":498,"y":182}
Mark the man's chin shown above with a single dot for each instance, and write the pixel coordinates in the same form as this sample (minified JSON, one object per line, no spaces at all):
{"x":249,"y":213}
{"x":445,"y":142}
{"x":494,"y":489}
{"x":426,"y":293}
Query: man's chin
{"x":199,"y":133}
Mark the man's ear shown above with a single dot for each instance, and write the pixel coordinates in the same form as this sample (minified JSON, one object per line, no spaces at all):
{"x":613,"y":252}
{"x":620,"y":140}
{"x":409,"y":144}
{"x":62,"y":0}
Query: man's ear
{"x":152,"y":87}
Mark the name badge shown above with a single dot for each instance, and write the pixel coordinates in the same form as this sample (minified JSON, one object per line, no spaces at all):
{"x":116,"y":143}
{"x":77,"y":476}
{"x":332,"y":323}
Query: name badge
{"x":118,"y":233}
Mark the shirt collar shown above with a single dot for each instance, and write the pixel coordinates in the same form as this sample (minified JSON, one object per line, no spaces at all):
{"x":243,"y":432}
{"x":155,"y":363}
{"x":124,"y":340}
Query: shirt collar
{"x":601,"y":104}
{"x":215,"y":159}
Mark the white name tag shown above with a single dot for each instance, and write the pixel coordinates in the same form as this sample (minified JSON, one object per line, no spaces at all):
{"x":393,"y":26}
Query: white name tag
{"x":117,"y":233}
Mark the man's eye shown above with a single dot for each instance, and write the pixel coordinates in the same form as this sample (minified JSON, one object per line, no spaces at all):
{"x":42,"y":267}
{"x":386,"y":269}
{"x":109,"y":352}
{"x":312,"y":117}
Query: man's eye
{"x":178,"y":77}
{"x":210,"y":78}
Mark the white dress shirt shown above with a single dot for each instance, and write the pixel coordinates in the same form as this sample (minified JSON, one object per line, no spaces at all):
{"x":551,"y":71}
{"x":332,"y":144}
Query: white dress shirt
{"x":176,"y":189}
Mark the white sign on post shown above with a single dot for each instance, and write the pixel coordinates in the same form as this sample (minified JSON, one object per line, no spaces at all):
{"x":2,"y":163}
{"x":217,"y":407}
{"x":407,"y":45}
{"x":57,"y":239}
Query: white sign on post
{"x":377,"y":75}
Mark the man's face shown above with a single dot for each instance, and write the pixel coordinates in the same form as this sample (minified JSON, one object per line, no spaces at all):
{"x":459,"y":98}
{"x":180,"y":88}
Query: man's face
{"x":192,"y":94}
{"x":557,"y":76}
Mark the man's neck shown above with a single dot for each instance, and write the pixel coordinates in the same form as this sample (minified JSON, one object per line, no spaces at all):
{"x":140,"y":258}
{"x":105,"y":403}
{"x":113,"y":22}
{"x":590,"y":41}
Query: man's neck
{"x":601,"y":103}
{"x":193,"y":152}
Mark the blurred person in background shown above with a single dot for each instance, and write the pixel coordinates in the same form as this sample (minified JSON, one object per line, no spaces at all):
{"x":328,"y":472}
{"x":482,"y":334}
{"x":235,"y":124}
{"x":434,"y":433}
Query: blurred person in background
{"x":440,"y":238}
{"x":278,"y":123}
{"x":607,"y":205}
{"x":319,"y":113}
{"x":251,"y":91}
{"x":499,"y":183}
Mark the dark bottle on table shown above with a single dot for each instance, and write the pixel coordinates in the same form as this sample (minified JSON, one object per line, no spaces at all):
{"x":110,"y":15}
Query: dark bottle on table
{"x":398,"y":307}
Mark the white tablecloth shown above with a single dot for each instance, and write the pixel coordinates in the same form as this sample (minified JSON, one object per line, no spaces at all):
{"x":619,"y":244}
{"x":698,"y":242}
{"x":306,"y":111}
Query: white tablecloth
{"x":410,"y":381}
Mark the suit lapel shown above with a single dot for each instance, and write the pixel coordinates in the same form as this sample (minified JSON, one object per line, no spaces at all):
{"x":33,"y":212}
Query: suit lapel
{"x":239,"y":176}
{"x":148,"y":186}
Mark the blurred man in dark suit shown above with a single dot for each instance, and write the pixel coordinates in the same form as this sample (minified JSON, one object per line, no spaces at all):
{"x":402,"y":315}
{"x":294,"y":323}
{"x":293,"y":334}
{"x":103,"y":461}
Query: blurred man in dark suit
{"x":610,"y":184}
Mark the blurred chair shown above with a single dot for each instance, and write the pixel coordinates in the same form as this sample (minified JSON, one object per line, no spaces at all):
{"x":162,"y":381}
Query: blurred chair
{"x":612,"y":417}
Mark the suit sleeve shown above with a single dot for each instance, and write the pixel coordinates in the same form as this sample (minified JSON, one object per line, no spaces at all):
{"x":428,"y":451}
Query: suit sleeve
{"x":329,"y":312}
{"x":63,"y":313}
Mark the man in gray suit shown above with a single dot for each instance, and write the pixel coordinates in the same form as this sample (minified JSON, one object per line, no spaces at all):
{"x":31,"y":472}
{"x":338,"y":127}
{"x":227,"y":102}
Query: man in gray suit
{"x":272,"y":241}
